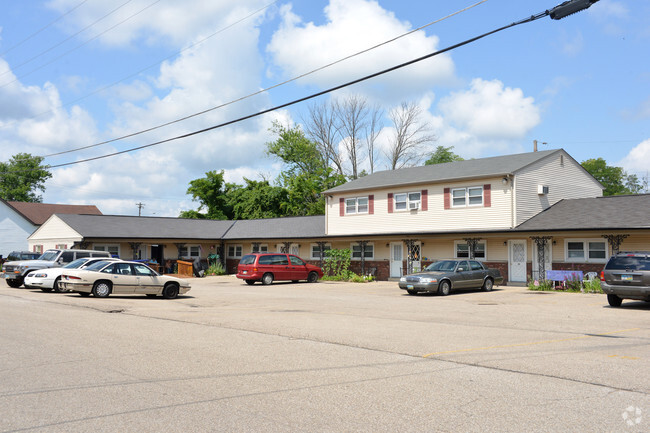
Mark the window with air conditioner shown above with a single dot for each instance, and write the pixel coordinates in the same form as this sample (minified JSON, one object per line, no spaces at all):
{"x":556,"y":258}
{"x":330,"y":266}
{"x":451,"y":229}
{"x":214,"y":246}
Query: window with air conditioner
{"x":407,"y":201}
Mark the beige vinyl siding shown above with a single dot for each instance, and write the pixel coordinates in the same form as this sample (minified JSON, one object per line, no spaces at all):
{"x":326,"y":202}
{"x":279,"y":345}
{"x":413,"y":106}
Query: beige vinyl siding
{"x":565,"y":178}
{"x":436,"y":218}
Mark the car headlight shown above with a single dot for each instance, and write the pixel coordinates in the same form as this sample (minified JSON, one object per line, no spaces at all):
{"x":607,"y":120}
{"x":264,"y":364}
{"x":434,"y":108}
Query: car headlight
{"x":427,"y":280}
{"x":22,"y":268}
{"x":403,"y":279}
{"x":38,"y":275}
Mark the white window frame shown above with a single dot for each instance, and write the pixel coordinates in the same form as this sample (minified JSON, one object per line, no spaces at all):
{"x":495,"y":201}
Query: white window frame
{"x":236,"y":248}
{"x":586,"y":250}
{"x":369,"y":245}
{"x":110,"y":248}
{"x":38,"y":249}
{"x":314,"y":252}
{"x":352,"y":206}
{"x":190,"y":252}
{"x":407,"y":200}
{"x":464,"y":244}
{"x":262,"y":248}
{"x":467,"y":197}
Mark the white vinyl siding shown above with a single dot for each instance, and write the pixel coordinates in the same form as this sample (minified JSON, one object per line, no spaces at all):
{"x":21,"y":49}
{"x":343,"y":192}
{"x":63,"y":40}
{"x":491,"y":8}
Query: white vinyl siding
{"x":435,"y":219}
{"x":564,"y":177}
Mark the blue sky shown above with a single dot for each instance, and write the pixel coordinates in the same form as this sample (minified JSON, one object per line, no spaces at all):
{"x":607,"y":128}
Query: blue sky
{"x":75,"y":73}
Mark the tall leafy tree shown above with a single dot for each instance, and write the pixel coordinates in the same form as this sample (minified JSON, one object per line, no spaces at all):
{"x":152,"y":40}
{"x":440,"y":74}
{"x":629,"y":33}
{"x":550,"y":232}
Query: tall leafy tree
{"x":614,"y":179}
{"x":443,"y":154}
{"x":22,"y":176}
{"x":210,"y":192}
{"x":256,"y":199}
{"x":306,"y":173}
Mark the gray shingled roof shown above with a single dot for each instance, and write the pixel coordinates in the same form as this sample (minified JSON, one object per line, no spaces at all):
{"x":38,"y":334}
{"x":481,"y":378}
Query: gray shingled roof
{"x":613,"y":212}
{"x":472,"y":168}
{"x":133,"y":227}
{"x":278,"y":228}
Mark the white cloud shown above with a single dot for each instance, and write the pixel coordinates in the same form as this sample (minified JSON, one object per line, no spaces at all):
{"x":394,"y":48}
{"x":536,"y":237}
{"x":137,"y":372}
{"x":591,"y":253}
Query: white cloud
{"x":491,"y":111}
{"x":638,"y":159}
{"x":299,"y":47}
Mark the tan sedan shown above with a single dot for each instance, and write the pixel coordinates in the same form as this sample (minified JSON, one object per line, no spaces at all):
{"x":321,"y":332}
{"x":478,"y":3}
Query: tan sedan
{"x":121,"y":278}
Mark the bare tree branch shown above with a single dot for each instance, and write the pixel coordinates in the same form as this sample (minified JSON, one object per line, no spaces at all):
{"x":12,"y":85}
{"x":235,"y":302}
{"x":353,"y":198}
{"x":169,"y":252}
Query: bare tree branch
{"x":407,"y":145}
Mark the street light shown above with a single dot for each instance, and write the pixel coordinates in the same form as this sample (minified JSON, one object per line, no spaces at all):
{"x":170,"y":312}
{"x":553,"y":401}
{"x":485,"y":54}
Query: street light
{"x":569,"y":8}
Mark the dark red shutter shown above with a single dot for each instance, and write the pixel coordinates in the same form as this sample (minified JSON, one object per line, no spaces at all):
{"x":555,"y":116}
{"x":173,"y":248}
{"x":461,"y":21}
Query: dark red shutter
{"x":341,"y":206}
{"x":371,"y":204}
{"x":390,"y":202}
{"x":487,"y":195}
{"x":425,"y":200}
{"x":447,"y":198}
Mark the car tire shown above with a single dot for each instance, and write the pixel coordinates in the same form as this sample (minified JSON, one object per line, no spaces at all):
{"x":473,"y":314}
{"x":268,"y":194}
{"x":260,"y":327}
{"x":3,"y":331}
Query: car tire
{"x":250,"y":282}
{"x":15,"y":283}
{"x":101,"y":289}
{"x":312,"y":277}
{"x":56,"y":286}
{"x":444,"y":288}
{"x":488,"y":284}
{"x":267,"y":279}
{"x":614,"y":300}
{"x":170,"y":291}
{"x":84,"y":294}
{"x":411,"y":292}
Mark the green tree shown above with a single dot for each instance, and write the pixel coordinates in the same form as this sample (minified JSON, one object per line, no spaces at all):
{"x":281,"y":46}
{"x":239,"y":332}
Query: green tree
{"x":443,"y":154}
{"x":306,"y":174}
{"x":257,"y":199}
{"x":614,"y":179}
{"x":22,"y":176}
{"x":210,"y":192}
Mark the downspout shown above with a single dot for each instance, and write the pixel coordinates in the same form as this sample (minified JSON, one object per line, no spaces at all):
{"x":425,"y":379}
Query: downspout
{"x":512,"y":201}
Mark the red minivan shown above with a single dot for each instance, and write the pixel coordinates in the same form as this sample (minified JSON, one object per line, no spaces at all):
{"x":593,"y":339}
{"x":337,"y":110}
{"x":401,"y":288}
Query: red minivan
{"x":267,"y":267}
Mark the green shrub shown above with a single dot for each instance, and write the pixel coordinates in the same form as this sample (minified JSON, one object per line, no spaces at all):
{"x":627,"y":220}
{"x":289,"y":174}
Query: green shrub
{"x":337,"y":264}
{"x":541,"y":286}
{"x":592,"y":286}
{"x":216,"y":268}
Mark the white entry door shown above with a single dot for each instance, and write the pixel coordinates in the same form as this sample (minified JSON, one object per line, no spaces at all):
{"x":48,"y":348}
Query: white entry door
{"x":517,"y":259}
{"x":396,"y":259}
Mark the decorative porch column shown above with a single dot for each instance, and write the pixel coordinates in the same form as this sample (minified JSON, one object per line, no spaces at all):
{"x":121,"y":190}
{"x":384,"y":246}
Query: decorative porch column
{"x":471,"y":246}
{"x":321,"y":251}
{"x":179,"y":246}
{"x":615,"y":242}
{"x":256,"y":247}
{"x":134,"y":248}
{"x":412,"y":250}
{"x":541,"y":242}
{"x":286,"y":247}
{"x":363,"y":244}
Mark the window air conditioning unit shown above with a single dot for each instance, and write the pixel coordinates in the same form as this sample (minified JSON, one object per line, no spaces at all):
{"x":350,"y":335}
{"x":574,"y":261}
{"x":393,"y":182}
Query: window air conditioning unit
{"x":414,"y":205}
{"x":542,"y":189}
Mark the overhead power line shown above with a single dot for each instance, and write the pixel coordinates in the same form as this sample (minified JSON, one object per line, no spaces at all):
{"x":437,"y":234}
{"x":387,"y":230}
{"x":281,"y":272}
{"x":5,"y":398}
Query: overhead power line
{"x":133,"y":134}
{"x":82,"y":44}
{"x":51,"y":23}
{"x":331,"y":89}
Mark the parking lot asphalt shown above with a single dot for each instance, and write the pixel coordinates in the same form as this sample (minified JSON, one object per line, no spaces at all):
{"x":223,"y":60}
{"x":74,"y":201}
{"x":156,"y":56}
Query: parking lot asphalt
{"x":323,"y":357}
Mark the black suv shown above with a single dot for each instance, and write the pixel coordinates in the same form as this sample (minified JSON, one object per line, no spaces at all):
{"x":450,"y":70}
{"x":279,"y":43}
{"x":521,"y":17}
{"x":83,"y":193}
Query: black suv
{"x":626,"y":276}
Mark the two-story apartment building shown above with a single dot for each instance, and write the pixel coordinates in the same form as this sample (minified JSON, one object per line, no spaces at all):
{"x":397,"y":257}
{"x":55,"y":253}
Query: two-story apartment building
{"x":520,"y":213}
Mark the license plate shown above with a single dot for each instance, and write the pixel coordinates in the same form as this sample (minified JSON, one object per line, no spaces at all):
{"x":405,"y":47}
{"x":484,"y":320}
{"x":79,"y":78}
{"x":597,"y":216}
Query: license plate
{"x":244,"y":272}
{"x":409,"y":287}
{"x":626,"y":277}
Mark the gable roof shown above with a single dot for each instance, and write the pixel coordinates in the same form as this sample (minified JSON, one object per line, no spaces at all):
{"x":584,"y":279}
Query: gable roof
{"x":458,"y":170}
{"x":278,"y":228}
{"x":135,"y":227}
{"x":38,"y":213}
{"x":620,"y":212}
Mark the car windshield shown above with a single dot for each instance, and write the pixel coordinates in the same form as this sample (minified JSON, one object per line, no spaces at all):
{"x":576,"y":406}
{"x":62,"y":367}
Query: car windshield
{"x":442,"y":266}
{"x":632,"y":263}
{"x":247,"y":260}
{"x":49,"y":256}
{"x":75,"y":264}
{"x":97,"y":265}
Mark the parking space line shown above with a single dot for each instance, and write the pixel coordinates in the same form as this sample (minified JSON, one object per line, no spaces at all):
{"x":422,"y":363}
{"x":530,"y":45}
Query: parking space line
{"x":530,"y":343}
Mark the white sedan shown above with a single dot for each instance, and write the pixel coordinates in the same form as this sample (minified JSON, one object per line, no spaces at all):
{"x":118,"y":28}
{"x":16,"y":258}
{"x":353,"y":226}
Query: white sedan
{"x":48,"y":279}
{"x":121,"y":278}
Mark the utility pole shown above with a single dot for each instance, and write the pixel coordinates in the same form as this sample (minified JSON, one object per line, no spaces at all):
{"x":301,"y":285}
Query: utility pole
{"x":140,"y":206}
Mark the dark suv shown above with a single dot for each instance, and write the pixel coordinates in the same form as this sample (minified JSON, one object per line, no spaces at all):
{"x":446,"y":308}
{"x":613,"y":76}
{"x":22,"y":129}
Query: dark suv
{"x":626,"y":276}
{"x":267,"y":267}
